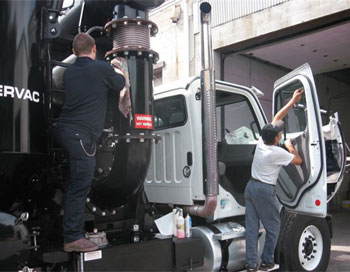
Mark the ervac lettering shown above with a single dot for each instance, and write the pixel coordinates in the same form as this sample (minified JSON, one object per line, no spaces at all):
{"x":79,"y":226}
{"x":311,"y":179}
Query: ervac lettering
{"x":14,"y":92}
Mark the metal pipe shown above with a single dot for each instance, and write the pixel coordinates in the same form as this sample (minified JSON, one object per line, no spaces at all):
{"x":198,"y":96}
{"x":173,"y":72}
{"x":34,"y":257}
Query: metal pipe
{"x":209,"y":138}
{"x":81,"y":16}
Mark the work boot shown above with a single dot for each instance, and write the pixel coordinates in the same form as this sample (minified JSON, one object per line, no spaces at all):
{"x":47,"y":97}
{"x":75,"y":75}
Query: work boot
{"x":266,"y":267}
{"x":251,"y":269}
{"x":81,"y":245}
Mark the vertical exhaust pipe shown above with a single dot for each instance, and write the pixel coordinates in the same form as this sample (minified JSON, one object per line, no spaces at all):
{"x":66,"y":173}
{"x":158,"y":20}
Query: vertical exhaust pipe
{"x":209,"y":138}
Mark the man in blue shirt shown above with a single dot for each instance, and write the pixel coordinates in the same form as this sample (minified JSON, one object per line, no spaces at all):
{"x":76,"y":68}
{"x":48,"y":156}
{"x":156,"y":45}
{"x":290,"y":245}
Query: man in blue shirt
{"x":86,"y":83}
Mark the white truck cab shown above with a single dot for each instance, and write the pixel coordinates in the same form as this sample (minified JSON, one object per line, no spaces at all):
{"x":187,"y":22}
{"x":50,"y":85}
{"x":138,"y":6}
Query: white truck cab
{"x":175,"y":174}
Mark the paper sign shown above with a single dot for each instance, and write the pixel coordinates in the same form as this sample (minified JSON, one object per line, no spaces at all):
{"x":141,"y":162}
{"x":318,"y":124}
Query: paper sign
{"x":144,"y":121}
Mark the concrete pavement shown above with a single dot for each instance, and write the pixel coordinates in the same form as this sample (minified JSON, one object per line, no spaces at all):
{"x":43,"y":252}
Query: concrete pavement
{"x":340,"y":250}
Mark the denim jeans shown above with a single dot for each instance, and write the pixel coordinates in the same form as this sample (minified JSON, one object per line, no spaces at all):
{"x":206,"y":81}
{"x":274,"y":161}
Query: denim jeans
{"x":81,"y":150}
{"x":261,"y":204}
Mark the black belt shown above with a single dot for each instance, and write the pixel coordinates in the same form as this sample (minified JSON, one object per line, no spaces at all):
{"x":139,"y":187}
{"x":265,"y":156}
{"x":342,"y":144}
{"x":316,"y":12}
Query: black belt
{"x":256,"y":180}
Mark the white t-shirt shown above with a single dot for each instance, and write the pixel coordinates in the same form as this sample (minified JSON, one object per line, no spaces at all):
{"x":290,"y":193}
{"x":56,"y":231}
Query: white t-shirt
{"x":268,"y":161}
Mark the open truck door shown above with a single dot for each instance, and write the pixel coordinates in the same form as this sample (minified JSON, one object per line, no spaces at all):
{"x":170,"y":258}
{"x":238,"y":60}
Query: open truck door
{"x":302,"y":188}
{"x":304,"y":241}
{"x":335,"y":155}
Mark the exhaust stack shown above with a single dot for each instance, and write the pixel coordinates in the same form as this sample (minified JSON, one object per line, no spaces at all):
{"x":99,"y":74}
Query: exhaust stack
{"x":209,"y":139}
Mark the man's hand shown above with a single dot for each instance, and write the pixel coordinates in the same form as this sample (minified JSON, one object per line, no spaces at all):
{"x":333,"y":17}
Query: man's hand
{"x":290,"y":147}
{"x":288,"y":143}
{"x":298,"y":93}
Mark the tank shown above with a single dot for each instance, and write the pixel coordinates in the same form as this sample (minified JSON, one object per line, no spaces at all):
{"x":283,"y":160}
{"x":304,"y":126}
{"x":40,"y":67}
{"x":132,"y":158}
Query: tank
{"x":33,"y":168}
{"x":23,"y":144}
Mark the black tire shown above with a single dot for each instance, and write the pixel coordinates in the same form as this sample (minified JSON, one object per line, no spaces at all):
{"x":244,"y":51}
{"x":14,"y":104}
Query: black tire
{"x":305,"y":243}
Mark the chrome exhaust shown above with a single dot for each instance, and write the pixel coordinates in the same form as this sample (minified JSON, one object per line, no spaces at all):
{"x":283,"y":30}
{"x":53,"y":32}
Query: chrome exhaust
{"x":209,"y":138}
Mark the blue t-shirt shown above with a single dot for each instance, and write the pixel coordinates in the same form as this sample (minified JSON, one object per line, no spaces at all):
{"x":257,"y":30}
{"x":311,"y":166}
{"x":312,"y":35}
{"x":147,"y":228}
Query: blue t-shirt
{"x":86,"y":84}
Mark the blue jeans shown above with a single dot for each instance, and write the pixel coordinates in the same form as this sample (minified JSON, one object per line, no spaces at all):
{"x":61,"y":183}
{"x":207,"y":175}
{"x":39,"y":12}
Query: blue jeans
{"x":81,"y":150}
{"x":261,"y":204}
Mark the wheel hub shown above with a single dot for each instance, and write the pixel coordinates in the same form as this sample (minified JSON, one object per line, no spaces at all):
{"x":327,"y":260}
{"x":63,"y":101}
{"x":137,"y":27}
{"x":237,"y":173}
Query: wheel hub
{"x":310,"y":248}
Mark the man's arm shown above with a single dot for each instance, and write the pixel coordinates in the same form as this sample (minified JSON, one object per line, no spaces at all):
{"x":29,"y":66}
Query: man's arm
{"x":283,"y":112}
{"x":297,"y":159}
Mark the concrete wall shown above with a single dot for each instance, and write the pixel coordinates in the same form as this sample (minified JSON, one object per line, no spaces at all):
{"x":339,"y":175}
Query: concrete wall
{"x":172,"y":41}
{"x":273,"y":19}
{"x":179,"y":43}
{"x":244,"y":71}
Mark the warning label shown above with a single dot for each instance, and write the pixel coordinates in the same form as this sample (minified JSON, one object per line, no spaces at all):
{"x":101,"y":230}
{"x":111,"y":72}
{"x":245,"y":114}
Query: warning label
{"x":144,"y":121}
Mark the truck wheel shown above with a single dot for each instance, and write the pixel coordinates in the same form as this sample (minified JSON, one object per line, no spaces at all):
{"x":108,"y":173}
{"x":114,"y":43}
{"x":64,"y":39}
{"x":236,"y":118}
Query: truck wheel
{"x":305,"y":243}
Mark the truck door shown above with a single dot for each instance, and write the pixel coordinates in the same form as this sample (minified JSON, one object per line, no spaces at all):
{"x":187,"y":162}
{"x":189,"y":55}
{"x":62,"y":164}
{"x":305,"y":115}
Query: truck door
{"x":335,"y":154}
{"x":303,"y":188}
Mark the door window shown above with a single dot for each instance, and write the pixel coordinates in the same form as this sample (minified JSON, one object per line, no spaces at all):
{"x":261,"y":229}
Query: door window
{"x":295,"y":120}
{"x":293,"y":177}
{"x":236,"y":122}
{"x":238,"y":133}
{"x":169,"y":112}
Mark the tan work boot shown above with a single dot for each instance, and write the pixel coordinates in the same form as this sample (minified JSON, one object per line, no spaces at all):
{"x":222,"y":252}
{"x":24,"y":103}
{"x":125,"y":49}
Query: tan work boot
{"x":81,"y":245}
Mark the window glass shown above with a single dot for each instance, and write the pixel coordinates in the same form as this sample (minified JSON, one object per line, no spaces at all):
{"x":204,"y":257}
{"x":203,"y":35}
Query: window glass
{"x":169,"y":112}
{"x":295,"y":120}
{"x":236,"y":122}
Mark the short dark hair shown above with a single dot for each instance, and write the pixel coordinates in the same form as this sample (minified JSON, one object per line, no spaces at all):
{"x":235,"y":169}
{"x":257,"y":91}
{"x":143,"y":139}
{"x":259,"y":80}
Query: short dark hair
{"x":270,"y":131}
{"x":83,"y":43}
{"x":269,"y":137}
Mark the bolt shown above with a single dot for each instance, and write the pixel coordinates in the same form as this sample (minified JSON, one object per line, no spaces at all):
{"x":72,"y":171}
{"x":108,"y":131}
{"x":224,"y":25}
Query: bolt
{"x":103,"y":213}
{"x":314,"y":251}
{"x":88,"y":200}
{"x":315,"y":244}
{"x":53,"y":30}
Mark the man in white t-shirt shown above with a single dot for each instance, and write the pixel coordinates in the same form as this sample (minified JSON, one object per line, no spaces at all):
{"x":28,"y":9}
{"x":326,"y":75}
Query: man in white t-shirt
{"x":260,"y":193}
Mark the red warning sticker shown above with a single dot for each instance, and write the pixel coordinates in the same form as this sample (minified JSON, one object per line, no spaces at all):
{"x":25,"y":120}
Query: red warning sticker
{"x":144,"y":121}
